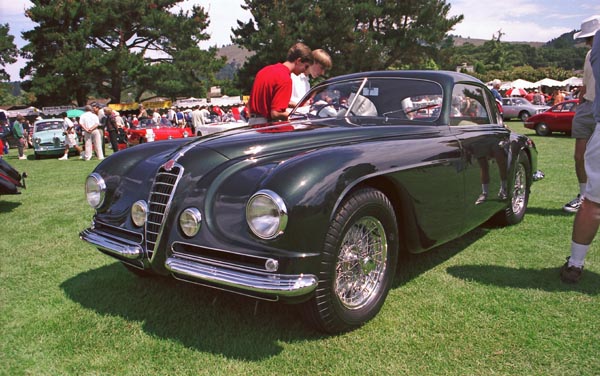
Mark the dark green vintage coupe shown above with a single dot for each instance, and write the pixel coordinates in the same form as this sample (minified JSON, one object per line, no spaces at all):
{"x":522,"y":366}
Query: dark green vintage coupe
{"x":316,"y":210}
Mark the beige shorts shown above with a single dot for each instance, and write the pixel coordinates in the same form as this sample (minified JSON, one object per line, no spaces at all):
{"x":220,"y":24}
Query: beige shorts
{"x":583,"y":122}
{"x":592,"y":167}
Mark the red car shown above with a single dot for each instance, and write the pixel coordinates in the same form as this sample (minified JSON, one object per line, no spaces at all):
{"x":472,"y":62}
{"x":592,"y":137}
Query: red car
{"x":146,"y":131}
{"x":557,"y":118}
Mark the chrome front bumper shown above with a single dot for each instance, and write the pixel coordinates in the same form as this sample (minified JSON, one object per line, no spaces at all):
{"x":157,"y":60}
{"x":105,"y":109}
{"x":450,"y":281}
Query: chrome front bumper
{"x":111,"y":244}
{"x":253,"y":282}
{"x":247,"y":281}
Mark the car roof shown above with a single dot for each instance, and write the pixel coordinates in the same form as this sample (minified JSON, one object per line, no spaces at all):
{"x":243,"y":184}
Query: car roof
{"x":49,"y":120}
{"x":443,"y":77}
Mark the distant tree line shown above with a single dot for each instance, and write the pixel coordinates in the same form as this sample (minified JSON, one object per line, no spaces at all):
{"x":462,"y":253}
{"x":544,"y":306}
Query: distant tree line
{"x":112,"y":48}
{"x":559,"y":59}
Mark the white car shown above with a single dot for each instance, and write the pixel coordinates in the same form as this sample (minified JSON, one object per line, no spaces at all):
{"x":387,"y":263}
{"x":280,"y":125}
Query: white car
{"x":520,"y":108}
{"x":210,"y":128}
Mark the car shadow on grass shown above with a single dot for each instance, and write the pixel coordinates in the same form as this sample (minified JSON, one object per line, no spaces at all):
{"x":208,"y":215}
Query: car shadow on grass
{"x":412,"y":265}
{"x":7,"y":206}
{"x":522,"y":278}
{"x":200,"y":318}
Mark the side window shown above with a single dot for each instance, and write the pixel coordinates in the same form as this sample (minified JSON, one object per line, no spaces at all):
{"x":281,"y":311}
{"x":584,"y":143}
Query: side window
{"x":568,"y":106}
{"x":468,"y":105}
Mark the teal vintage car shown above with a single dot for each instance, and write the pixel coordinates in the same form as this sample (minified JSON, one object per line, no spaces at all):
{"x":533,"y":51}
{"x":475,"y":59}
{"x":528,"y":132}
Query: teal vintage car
{"x":48,"y":137}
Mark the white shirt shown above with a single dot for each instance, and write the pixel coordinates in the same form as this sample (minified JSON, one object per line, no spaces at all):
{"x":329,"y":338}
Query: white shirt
{"x":300,"y":86}
{"x":89,"y":120}
{"x":68,"y":122}
{"x":205,"y":114}
{"x":197,"y":118}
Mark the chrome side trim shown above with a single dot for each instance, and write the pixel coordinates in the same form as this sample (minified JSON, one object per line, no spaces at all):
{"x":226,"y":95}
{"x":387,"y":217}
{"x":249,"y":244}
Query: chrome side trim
{"x":249,"y":281}
{"x":110,"y":244}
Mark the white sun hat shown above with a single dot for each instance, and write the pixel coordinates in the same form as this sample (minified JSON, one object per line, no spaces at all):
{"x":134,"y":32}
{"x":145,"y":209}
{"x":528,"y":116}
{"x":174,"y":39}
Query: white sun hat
{"x":589,"y":26}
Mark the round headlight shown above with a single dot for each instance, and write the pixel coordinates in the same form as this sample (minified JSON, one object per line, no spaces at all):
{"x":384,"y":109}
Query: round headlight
{"x":95,"y":189}
{"x":190,"y":221}
{"x":266,"y":214}
{"x":139,"y":213}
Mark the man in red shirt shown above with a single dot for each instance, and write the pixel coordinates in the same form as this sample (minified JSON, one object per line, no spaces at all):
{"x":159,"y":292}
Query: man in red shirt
{"x":272,"y":88}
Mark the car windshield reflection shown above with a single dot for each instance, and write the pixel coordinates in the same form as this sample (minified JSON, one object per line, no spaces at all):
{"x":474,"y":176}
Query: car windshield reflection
{"x":49,"y":126}
{"x":385,"y":98}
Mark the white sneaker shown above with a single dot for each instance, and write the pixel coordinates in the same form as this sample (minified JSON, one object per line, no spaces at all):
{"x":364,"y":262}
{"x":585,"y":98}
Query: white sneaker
{"x":63,"y":158}
{"x":573,"y":205}
{"x":22,"y":157}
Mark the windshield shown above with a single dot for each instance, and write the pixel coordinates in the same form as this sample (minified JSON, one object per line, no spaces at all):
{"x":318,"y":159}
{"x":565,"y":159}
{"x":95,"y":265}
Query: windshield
{"x":383,"y":97}
{"x":49,"y":125}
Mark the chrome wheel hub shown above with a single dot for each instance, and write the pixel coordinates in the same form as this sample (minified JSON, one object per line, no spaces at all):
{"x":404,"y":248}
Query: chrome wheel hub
{"x":361,"y":263}
{"x":519,"y":189}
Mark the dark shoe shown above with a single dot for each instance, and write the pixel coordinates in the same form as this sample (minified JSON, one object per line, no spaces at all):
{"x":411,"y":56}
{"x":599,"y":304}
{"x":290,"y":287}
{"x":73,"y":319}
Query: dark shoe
{"x":570,"y":274}
{"x":502,"y":194}
{"x":573,"y":205}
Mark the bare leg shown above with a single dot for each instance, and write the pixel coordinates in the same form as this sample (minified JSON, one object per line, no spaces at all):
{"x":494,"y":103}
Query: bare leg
{"x":586,"y":222}
{"x":580,"y":146}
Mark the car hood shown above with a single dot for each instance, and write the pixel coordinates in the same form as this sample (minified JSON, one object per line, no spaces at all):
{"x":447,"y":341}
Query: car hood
{"x":49,"y":135}
{"x":298,"y":136}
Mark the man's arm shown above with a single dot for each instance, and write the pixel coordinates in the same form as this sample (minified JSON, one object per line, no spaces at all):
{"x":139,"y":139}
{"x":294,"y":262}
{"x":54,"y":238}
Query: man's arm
{"x":279,"y":115}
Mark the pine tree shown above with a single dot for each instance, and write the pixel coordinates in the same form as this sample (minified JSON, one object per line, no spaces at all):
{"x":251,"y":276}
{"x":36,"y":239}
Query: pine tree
{"x":111,"y":46}
{"x":360,"y":35}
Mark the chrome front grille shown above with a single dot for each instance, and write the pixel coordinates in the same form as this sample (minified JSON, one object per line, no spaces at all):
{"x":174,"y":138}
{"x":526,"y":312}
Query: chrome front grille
{"x":159,"y":202}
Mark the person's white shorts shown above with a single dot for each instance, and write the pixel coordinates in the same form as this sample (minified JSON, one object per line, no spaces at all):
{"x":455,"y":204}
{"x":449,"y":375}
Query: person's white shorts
{"x":583,"y":122}
{"x":592,"y":166}
{"x":71,"y":141}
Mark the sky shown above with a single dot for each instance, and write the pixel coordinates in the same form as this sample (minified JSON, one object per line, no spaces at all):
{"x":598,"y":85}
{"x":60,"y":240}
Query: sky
{"x":519,"y":20}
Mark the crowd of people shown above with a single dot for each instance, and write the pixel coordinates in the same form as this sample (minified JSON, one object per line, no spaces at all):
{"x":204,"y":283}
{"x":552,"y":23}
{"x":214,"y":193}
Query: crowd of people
{"x":539,"y":96}
{"x":21,"y":129}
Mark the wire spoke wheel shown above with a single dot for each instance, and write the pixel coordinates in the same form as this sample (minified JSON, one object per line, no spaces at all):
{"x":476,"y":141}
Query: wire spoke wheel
{"x":361,"y":263}
{"x":358,"y":265}
{"x":519,"y":195}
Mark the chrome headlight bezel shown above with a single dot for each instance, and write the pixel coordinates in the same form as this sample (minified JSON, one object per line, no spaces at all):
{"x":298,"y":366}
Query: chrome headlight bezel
{"x":190,"y":221}
{"x":95,"y":190}
{"x":139,"y":213}
{"x":266,"y":214}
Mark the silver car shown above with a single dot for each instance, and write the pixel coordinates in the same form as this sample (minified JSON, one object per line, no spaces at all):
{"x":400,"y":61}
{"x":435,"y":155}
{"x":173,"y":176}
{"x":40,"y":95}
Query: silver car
{"x":520,"y":108}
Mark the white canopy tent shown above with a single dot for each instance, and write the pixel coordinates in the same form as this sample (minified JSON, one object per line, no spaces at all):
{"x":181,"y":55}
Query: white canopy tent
{"x":573,"y":81}
{"x":523,"y":84}
{"x":226,"y":101}
{"x":191,"y":102}
{"x":28,"y":111}
{"x":549,"y":82}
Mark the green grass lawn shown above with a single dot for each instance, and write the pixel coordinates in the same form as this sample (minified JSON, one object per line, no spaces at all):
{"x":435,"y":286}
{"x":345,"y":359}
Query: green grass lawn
{"x":489,"y":303}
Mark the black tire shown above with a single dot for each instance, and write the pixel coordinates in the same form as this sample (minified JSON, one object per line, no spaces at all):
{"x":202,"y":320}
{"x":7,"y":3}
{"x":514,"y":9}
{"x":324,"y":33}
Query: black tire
{"x":542,"y":129}
{"x":36,"y":156}
{"x":518,"y":193}
{"x":524,"y":115}
{"x":359,"y":261}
